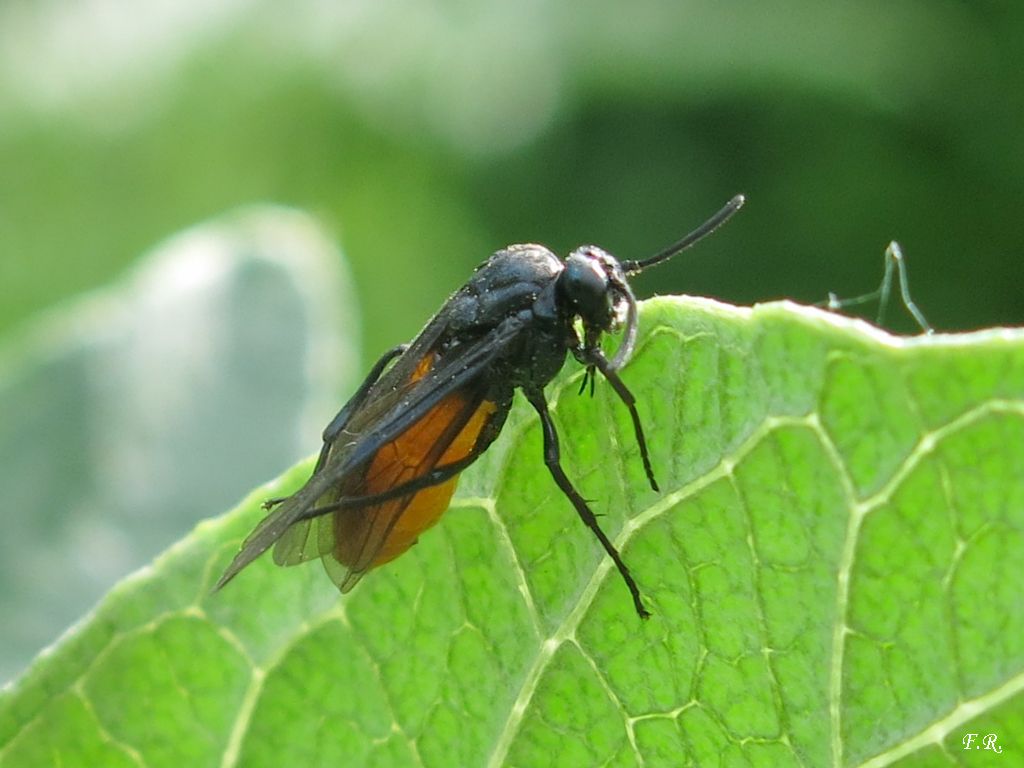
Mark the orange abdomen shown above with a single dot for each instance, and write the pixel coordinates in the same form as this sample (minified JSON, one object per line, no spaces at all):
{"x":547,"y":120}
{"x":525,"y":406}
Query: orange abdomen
{"x":368,"y":537}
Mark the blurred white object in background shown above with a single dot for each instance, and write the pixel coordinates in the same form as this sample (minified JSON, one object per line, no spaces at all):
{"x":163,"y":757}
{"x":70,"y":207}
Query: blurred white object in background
{"x":135,"y":412}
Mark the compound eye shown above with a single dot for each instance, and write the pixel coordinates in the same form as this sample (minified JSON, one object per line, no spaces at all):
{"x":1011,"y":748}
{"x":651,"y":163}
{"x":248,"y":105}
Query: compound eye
{"x":585,"y":285}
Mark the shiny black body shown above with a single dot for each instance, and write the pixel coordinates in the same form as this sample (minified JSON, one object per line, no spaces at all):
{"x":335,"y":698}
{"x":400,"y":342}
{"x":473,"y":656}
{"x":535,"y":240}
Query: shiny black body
{"x":515,"y":287}
{"x":510,"y":326}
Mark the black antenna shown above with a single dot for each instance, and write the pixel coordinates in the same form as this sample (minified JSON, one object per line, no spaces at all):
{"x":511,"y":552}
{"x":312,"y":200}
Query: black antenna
{"x":705,"y":229}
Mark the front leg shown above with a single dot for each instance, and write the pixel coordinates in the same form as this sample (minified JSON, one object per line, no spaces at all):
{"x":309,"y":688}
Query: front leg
{"x":592,"y":357}
{"x":552,"y":458}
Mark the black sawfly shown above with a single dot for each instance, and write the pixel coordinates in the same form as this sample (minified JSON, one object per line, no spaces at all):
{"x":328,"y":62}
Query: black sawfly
{"x":427,"y":410}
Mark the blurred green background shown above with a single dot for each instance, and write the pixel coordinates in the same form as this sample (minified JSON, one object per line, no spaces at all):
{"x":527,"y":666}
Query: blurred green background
{"x":421,"y":136}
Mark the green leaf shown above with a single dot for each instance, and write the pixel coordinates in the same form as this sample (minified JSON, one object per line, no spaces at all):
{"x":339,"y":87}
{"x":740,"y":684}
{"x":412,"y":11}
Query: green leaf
{"x":833,"y":566}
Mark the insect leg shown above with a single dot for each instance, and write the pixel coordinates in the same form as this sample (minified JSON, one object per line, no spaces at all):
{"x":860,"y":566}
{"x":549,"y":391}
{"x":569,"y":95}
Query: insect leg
{"x":552,"y":458}
{"x":338,"y":422}
{"x":594,"y":358}
{"x":895,"y":254}
{"x":435,"y":477}
{"x":893,"y":259}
